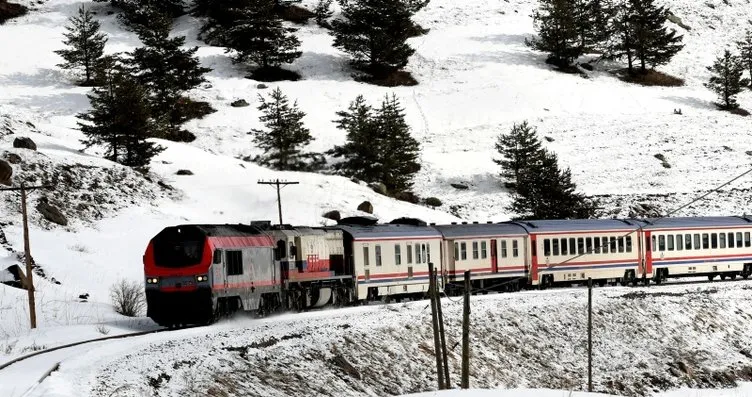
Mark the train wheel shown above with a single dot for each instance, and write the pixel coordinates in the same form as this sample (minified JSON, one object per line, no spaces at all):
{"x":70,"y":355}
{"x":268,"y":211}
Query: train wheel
{"x":733,"y":276}
{"x":711,"y":277}
{"x":723,"y":276}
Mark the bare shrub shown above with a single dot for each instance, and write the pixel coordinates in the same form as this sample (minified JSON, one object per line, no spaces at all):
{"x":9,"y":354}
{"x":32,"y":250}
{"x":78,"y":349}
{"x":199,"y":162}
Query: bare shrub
{"x":128,"y":298}
{"x":102,"y":329}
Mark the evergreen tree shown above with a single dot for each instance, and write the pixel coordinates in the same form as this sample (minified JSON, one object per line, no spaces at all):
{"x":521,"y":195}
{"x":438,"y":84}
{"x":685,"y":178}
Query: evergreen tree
{"x":654,"y":45}
{"x":165,"y":68}
{"x":558,"y":32}
{"x":137,"y":14}
{"x":285,"y":135}
{"x":86,"y":42}
{"x":398,"y":151}
{"x":621,"y":44}
{"x":260,"y":37}
{"x":517,"y":149}
{"x":322,"y":12}
{"x":360,"y":151}
{"x":375,"y":33}
{"x":592,"y":19}
{"x":121,"y":120}
{"x":726,"y":80}
{"x":546,"y":192}
{"x":221,"y":15}
{"x":745,"y":50}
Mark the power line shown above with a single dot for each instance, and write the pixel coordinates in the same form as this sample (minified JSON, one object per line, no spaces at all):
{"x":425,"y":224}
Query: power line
{"x":279,"y":185}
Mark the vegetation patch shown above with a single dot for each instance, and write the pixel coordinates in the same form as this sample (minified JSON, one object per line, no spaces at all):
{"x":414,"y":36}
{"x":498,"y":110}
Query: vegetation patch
{"x":9,"y":11}
{"x":272,"y":74}
{"x":651,"y":78}
{"x":396,"y":78}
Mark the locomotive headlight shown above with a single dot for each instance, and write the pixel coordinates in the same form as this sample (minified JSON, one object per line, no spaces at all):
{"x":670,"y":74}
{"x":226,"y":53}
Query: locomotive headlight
{"x":202,"y":278}
{"x":152,"y":280}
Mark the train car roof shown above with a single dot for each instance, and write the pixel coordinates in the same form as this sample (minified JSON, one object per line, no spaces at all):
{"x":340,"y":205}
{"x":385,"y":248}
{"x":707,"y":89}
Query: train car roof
{"x":359,"y":232}
{"x":572,"y":225}
{"x":480,"y":229}
{"x":226,"y":230}
{"x":698,"y":221}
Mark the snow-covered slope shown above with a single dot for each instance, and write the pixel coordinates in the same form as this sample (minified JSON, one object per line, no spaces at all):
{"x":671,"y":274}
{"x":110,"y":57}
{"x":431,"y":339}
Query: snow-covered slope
{"x":476,"y":78}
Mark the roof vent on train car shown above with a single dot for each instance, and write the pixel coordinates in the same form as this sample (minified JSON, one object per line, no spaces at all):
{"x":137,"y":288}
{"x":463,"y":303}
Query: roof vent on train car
{"x":263,"y":225}
{"x":432,"y":223}
{"x":358,"y":220}
{"x":489,"y":222}
{"x":464,"y":223}
{"x":454,"y":223}
{"x":475,"y":222}
{"x":408,"y":221}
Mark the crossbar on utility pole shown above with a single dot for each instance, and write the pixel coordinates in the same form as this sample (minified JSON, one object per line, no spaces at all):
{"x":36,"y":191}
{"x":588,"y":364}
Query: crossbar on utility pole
{"x":279,"y":185}
{"x":27,"y":249}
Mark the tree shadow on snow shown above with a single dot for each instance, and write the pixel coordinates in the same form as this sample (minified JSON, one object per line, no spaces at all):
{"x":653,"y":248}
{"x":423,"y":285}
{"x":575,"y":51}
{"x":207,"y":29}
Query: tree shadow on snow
{"x":45,"y":78}
{"x":691,"y":102}
{"x":514,"y":51}
{"x":65,"y":103}
{"x":320,"y":66}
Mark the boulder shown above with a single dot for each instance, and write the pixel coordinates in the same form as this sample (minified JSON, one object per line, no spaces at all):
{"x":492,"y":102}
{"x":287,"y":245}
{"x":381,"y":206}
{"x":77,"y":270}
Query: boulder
{"x":51,"y":213}
{"x":24,"y":143}
{"x":261,"y":86}
{"x":13,"y":158}
{"x":240,"y":103}
{"x":459,"y":186}
{"x":410,"y":197}
{"x":6,"y":172}
{"x":333,"y":215}
{"x":379,"y":188}
{"x":433,"y":202}
{"x":184,"y":172}
{"x":366,"y":206}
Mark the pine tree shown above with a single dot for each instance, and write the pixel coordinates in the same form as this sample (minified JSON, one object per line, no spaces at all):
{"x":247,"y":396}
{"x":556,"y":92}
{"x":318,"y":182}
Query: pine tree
{"x":375,"y":33}
{"x":517,"y":150}
{"x":322,"y":12}
{"x":361,"y":149}
{"x":86,"y":42}
{"x":558,"y":33}
{"x":260,"y":37}
{"x":165,"y":68}
{"x":745,"y":50}
{"x":138,"y":14}
{"x":621,"y":44}
{"x":592,"y":19}
{"x":398,"y":151}
{"x":121,"y":120}
{"x":285,"y":135}
{"x":726,"y":80}
{"x":654,"y":45}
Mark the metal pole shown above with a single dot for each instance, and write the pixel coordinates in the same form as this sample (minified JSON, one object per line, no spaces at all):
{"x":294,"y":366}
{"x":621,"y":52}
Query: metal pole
{"x":279,"y":203}
{"x":444,"y":353}
{"x":590,"y":334}
{"x":435,"y":322}
{"x":279,"y":184}
{"x":466,"y":334}
{"x":27,"y":257}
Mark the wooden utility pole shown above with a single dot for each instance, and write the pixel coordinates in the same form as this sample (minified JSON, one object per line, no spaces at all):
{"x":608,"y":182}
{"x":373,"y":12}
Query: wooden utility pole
{"x":466,"y":334}
{"x":590,"y":335}
{"x":435,"y":321}
{"x":27,"y":250}
{"x":279,"y":185}
{"x":447,"y":381}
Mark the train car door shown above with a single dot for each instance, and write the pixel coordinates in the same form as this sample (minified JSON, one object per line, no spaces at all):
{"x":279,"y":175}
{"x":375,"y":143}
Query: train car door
{"x":533,"y":260}
{"x":648,"y":252}
{"x":494,"y":257}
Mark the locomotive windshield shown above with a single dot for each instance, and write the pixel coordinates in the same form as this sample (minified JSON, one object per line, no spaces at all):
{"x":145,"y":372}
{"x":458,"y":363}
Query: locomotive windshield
{"x":178,"y":247}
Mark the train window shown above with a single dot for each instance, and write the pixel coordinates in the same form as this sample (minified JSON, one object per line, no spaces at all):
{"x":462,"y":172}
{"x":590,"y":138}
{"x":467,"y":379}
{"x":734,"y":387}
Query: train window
{"x":475,"y":250}
{"x":217,"y":257}
{"x":555,"y":244}
{"x":234,"y":262}
{"x":428,"y":252}
{"x":688,"y":241}
{"x":597,"y":245}
{"x":572,"y":246}
{"x":721,"y":240}
{"x":456,"y":251}
{"x":747,"y":241}
{"x":409,"y":251}
{"x":564,"y":247}
{"x":366,"y":257}
{"x":589,"y":245}
{"x":629,"y":243}
{"x":696,"y":243}
{"x":705,"y":241}
{"x":679,"y":242}
{"x":423,"y":253}
{"x":503,"y":248}
{"x":621,"y":244}
{"x":546,"y":247}
{"x":463,"y":251}
{"x":670,"y":242}
{"x":483,"y":251}
{"x":661,"y":243}
{"x":293,"y":251}
{"x":580,"y":245}
{"x":418,"y":259}
{"x":655,"y":245}
{"x":714,"y":240}
{"x":515,"y":251}
{"x":377,"y":251}
{"x":731,"y":240}
{"x":612,"y":241}
{"x":739,"y":240}
{"x":397,"y":254}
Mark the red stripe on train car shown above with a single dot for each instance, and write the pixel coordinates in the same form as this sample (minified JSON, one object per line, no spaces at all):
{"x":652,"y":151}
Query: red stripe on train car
{"x":241,"y":241}
{"x":681,"y":258}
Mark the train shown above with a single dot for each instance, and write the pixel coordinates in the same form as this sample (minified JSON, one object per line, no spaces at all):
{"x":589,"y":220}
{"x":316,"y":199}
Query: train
{"x":196,"y":273}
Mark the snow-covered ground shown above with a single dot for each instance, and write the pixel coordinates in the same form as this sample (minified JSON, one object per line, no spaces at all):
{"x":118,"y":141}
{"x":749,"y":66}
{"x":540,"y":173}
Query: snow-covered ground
{"x":476,"y":78}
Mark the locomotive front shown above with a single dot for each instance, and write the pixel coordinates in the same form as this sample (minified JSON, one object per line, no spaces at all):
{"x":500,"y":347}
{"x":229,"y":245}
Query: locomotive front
{"x":177,"y":275}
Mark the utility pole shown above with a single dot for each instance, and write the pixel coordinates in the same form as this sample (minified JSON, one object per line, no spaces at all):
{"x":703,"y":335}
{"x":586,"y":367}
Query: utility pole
{"x":279,"y":185}
{"x":27,"y":250}
{"x":590,"y":334}
{"x":466,"y":334}
{"x":435,"y":322}
{"x":447,"y":381}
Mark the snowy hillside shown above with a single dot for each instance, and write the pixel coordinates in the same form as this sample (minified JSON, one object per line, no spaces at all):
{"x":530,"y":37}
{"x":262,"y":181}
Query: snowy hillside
{"x":476,"y":78}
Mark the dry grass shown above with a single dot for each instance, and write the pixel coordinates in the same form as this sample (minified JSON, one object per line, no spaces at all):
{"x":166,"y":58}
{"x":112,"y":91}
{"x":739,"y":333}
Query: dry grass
{"x":651,"y":78}
{"x":740,"y":112}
